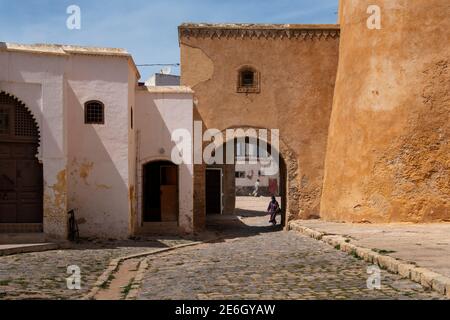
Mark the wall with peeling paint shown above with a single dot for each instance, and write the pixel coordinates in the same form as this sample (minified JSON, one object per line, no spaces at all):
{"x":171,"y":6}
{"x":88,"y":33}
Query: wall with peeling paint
{"x":38,"y":81}
{"x":98,"y":155}
{"x":159,"y":112}
{"x":86,"y":167}
{"x":297,"y":65}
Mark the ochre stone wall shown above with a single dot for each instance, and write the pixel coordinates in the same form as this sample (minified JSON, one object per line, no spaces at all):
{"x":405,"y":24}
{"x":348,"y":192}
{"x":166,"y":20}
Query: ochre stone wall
{"x":297,"y":65}
{"x":388,"y":155}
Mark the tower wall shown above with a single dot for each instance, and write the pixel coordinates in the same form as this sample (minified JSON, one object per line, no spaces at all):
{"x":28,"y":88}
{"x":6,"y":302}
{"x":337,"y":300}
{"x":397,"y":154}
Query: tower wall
{"x":388,"y":153}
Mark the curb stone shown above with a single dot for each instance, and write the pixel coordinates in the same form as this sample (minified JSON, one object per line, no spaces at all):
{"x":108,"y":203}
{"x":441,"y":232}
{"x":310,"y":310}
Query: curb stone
{"x":427,"y":278}
{"x":132,"y":295}
{"x":40,"y":247}
{"x":134,"y":292}
{"x":441,"y":284}
{"x":404,"y":269}
{"x":115,"y":263}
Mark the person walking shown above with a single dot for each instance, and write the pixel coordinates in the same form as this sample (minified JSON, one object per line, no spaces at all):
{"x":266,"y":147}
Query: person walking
{"x":255,"y":192}
{"x":273,"y":209}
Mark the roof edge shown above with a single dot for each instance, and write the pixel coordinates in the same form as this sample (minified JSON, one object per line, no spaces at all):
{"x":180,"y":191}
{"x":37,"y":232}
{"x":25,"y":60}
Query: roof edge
{"x":67,"y":50}
{"x":166,"y":89}
{"x":259,"y":26}
{"x":258,"y":31}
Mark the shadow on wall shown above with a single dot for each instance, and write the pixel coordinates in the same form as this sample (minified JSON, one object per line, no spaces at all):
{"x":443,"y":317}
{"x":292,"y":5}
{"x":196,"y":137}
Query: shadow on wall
{"x":96,"y":188}
{"x":157,"y":117}
{"x":229,"y":184}
{"x":54,"y":192}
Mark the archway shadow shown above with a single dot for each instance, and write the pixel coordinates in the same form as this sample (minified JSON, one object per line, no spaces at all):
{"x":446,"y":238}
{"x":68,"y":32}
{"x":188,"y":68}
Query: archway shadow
{"x":243,"y":223}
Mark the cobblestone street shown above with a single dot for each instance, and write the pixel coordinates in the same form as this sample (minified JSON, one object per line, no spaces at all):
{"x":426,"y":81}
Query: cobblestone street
{"x":250,"y":260}
{"x":42,"y":275}
{"x":257,"y":261}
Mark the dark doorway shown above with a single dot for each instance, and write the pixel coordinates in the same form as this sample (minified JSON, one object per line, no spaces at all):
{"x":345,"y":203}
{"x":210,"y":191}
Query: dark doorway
{"x":160,"y":192}
{"x":213,"y":191}
{"x":21,"y":174}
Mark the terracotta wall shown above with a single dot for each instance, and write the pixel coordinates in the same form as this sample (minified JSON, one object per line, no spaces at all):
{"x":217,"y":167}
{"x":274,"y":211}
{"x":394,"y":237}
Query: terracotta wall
{"x":298,"y":68}
{"x":388,"y":148}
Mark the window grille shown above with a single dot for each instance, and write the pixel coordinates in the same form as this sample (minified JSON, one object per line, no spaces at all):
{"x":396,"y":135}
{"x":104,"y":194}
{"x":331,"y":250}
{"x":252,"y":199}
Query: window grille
{"x":94,"y":113}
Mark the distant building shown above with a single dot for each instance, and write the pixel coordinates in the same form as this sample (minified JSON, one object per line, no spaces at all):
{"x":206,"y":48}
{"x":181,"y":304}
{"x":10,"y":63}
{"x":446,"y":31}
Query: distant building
{"x":163,"y":80}
{"x":249,"y":168}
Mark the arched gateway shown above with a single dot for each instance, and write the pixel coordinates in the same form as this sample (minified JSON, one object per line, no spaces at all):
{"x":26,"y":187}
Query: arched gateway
{"x":220,"y":179}
{"x":240,"y":79}
{"x":21,"y":174}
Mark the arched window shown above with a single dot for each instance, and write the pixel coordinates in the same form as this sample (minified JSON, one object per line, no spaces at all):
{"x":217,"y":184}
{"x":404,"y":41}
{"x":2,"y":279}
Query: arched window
{"x":248,"y":80}
{"x":94,"y":112}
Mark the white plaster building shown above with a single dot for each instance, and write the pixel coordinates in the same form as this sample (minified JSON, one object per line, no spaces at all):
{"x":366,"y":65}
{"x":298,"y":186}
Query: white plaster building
{"x":250,"y":167}
{"x":78,"y":132}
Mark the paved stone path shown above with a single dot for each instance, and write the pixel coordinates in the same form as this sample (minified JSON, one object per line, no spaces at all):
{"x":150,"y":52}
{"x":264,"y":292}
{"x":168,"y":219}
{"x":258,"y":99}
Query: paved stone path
{"x":42,"y":275}
{"x":254,"y":261}
{"x":257,"y":261}
{"x":425,"y":244}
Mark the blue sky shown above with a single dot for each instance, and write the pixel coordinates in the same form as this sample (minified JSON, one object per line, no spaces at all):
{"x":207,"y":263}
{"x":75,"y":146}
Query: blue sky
{"x":146,"y":28}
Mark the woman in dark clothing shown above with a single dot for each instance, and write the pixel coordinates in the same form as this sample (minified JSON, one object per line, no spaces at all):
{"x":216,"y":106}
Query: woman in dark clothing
{"x":273,"y":209}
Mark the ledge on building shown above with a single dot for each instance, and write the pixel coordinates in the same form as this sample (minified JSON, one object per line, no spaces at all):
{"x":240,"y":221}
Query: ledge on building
{"x":165,"y":89}
{"x":60,"y":49}
{"x":67,"y":50}
{"x":252,"y":31}
{"x":259,"y":26}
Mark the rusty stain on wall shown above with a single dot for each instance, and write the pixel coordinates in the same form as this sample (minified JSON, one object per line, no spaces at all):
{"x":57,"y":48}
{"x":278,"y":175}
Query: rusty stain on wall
{"x":60,"y":190}
{"x":55,"y":200}
{"x":103,"y":186}
{"x":85,"y":170}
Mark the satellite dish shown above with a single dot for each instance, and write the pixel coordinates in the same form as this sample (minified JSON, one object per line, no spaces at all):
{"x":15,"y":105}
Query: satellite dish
{"x":166,"y":70}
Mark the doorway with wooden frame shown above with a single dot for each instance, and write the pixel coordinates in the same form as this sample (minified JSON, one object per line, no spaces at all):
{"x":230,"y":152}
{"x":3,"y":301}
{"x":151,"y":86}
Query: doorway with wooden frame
{"x":21,"y":174}
{"x":160,"y":192}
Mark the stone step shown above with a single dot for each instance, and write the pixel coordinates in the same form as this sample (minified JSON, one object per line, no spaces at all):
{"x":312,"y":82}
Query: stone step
{"x":22,"y":238}
{"x":156,"y":228}
{"x":9,"y":249}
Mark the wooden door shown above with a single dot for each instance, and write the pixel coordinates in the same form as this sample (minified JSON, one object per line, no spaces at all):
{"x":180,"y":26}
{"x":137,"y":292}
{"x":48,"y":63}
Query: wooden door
{"x":21,"y":174}
{"x":21,"y":184}
{"x":169,"y":193}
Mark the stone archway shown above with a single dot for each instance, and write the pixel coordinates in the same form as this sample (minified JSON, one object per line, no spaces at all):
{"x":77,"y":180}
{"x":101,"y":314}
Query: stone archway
{"x":289,"y":188}
{"x":21,"y":173}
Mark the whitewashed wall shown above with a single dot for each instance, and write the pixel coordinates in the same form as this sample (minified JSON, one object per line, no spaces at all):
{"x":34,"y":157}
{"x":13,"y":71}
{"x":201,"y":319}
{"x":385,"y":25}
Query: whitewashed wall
{"x":159,"y":112}
{"x":98,"y":166}
{"x":86,"y":167}
{"x":38,"y":81}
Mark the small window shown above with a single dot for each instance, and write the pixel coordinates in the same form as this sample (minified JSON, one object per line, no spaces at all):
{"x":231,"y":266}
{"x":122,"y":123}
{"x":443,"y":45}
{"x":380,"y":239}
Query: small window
{"x":248,"y":80}
{"x":132,"y":118}
{"x":240,"y":174}
{"x":94,"y":112}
